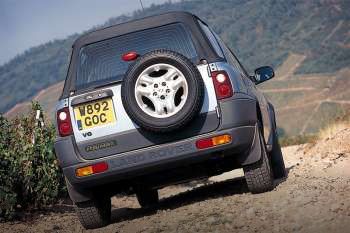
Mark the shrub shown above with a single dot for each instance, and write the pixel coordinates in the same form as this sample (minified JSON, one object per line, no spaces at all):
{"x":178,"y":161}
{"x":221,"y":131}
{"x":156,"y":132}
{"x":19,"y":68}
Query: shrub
{"x":29,"y":173}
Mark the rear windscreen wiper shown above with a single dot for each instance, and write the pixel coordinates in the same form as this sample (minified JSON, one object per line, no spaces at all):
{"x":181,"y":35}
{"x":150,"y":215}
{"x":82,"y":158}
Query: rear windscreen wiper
{"x":107,"y":84}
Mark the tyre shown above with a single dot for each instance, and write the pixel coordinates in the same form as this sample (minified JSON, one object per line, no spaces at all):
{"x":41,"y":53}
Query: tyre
{"x":147,"y":197}
{"x":95,"y":213}
{"x":259,"y":175}
{"x":162,"y":91}
{"x":277,"y":162}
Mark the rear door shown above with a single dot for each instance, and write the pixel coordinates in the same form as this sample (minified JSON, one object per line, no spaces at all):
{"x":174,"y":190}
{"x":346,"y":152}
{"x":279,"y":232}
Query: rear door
{"x":100,"y":124}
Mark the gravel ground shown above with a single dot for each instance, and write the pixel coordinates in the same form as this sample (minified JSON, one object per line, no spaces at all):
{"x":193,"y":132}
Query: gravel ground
{"x":314,"y":198}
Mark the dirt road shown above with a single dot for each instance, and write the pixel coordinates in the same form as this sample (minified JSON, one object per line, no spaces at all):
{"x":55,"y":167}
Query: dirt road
{"x":315,"y":198}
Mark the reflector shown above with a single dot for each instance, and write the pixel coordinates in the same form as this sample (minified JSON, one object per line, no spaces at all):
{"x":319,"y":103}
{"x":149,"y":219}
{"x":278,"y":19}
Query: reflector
{"x":92,"y":169}
{"x":84,"y":171}
{"x":214,"y":141}
{"x":222,"y":139}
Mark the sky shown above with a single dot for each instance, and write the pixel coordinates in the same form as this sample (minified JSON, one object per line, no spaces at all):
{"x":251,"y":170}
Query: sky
{"x":27,"y":23}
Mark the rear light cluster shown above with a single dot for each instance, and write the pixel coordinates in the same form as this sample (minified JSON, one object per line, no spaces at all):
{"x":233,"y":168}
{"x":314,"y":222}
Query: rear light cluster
{"x":92,"y":169}
{"x":63,"y":122}
{"x":213,"y":141}
{"x":222,"y":84}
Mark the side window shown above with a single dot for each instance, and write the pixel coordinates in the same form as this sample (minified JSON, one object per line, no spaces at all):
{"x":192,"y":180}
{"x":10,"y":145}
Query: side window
{"x":221,"y":49}
{"x":231,"y":59}
{"x":211,"y":38}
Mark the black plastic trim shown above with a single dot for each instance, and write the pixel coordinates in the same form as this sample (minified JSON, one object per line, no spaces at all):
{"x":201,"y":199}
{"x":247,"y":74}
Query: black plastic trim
{"x":204,"y":123}
{"x":91,"y":97}
{"x":237,"y":112}
{"x":78,"y":194}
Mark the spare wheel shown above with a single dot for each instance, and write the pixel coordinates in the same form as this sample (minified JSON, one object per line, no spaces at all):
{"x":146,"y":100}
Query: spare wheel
{"x":162,"y":91}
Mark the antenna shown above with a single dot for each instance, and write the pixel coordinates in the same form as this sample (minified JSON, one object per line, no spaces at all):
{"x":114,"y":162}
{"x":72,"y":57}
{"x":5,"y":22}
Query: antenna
{"x":142,"y":5}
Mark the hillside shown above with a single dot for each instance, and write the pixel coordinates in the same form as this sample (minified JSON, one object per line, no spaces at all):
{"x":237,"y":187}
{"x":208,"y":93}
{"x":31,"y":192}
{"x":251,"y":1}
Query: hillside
{"x":315,"y":198}
{"x":305,"y":103}
{"x":46,"y":97}
{"x":308,"y":42}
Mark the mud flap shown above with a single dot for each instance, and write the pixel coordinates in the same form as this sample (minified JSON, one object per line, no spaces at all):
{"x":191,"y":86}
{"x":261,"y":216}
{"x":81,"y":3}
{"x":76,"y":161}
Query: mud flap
{"x":78,"y":195}
{"x":254,"y":154}
{"x":269,"y":142}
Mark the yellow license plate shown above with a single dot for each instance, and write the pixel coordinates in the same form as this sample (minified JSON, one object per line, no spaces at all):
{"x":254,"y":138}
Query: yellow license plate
{"x":93,"y":114}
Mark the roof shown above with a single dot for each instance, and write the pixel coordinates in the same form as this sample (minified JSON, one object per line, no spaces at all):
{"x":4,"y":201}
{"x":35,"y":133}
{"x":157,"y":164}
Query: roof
{"x":134,"y":25}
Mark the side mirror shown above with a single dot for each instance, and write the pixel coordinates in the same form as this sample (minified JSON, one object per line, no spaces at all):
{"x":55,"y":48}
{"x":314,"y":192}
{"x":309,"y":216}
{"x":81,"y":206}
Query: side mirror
{"x":263,"y":74}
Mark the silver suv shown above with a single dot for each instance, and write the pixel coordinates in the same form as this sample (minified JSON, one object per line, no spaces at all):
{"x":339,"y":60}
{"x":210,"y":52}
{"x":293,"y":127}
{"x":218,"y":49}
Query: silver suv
{"x":159,"y":101}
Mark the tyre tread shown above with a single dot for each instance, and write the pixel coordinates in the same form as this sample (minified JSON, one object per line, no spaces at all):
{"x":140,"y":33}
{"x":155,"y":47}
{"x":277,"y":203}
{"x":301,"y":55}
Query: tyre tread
{"x":259,"y":176}
{"x":93,"y":214}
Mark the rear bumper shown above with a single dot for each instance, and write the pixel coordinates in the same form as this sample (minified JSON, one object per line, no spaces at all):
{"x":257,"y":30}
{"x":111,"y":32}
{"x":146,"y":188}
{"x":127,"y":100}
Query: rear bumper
{"x":238,"y":118}
{"x":156,"y":158}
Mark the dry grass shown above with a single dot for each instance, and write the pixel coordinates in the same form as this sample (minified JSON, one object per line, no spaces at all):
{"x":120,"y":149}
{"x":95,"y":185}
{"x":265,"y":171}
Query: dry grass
{"x":330,"y":131}
{"x":333,"y":129}
{"x":298,"y":140}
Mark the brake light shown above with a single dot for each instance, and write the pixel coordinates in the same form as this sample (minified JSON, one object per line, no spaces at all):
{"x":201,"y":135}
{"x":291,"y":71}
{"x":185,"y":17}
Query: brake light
{"x":63,"y":122}
{"x":92,"y":169}
{"x":222,"y":84}
{"x":130,"y":56}
{"x":214,"y":141}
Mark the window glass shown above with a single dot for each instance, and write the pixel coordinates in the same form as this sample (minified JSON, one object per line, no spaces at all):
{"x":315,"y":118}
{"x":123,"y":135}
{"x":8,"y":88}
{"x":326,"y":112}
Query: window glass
{"x":230,"y":57}
{"x":101,"y":62}
{"x":211,"y":38}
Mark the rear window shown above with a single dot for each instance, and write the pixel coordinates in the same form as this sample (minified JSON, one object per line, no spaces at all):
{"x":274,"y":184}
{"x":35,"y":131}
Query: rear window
{"x":101,"y":62}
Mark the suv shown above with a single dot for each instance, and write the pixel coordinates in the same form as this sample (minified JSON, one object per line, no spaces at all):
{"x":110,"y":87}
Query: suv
{"x":160,"y":101}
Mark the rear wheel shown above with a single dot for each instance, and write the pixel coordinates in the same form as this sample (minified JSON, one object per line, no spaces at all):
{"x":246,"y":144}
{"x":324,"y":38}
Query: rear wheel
{"x":94,"y":213}
{"x":147,"y":197}
{"x":259,"y":175}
